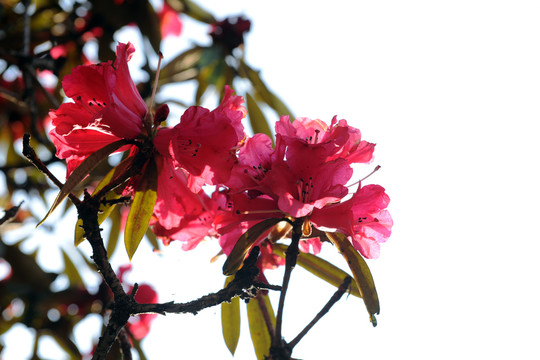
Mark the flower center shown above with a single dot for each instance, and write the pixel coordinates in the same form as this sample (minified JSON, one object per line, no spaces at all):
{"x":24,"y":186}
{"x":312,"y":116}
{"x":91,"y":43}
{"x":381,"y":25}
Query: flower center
{"x":93,"y":106}
{"x":189,"y":146}
{"x":305,"y":188}
{"x":315,"y":140}
{"x":363,"y":220}
{"x":257,"y":174}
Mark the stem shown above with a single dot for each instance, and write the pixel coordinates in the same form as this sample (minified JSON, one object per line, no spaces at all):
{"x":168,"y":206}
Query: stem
{"x":335,"y":298}
{"x":290,"y":262}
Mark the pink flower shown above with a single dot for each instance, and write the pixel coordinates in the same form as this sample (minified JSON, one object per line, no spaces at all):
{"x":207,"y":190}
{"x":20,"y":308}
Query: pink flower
{"x":305,"y":177}
{"x":200,"y":150}
{"x":107,"y":107}
{"x":305,"y":181}
{"x":182,"y":215}
{"x":296,"y":173}
{"x":241,"y":212}
{"x":363,"y":218}
{"x":204,"y":142}
{"x":339,"y":139}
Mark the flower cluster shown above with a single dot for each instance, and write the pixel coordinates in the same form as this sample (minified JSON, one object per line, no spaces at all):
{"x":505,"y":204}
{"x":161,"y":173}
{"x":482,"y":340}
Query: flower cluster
{"x":107,"y":107}
{"x":303,"y":178}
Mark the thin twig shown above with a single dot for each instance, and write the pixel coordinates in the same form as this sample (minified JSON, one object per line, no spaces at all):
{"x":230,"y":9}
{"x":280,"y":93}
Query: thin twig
{"x":335,"y":298}
{"x":31,"y":155}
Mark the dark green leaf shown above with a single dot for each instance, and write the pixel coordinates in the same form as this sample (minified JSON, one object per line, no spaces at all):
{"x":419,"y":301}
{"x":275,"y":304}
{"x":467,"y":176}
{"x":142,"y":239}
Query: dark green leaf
{"x":83,"y":170}
{"x":262,"y":90}
{"x":320,"y":267}
{"x":148,"y":22}
{"x":360,"y":271}
{"x":181,"y":68}
{"x":235,"y":259}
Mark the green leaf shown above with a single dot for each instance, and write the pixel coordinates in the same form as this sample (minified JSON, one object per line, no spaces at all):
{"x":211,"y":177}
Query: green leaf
{"x":114,"y":233}
{"x":260,"y":311}
{"x":258,"y":122}
{"x":195,"y":11}
{"x":230,"y":320}
{"x":83,"y":170}
{"x":149,"y":24}
{"x":262,"y":90}
{"x":360,"y":271}
{"x":105,"y":209}
{"x":181,"y":68}
{"x":235,"y":259}
{"x":152,"y":239}
{"x":63,"y":341}
{"x":142,"y":208}
{"x":71,"y":271}
{"x":321,"y":268}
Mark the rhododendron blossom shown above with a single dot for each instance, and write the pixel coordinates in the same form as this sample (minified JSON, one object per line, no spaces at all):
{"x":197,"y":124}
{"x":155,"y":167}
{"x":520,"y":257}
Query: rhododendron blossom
{"x":204,"y":141}
{"x":363,"y":218}
{"x":200,"y":150}
{"x":305,"y":176}
{"x":107,"y":107}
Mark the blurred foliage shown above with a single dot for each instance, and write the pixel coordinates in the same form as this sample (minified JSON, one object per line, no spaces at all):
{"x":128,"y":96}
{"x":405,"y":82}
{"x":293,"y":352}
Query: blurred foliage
{"x":40,"y":42}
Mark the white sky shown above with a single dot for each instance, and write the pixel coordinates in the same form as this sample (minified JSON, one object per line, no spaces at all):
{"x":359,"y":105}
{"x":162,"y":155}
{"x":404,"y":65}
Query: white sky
{"x":449,"y":92}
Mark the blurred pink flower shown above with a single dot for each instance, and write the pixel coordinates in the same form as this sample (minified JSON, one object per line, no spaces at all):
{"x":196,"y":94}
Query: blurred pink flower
{"x":171,"y":25}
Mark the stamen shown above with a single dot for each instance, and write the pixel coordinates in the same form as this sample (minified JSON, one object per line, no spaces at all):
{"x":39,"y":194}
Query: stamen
{"x":365,"y":177}
{"x":149,"y":118}
{"x":363,"y":221}
{"x":90,"y":105}
{"x":304,"y":189}
{"x":188,"y":146}
{"x":258,"y":173}
{"x":317,"y":131}
{"x":249,"y":212}
{"x":156,"y":80}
